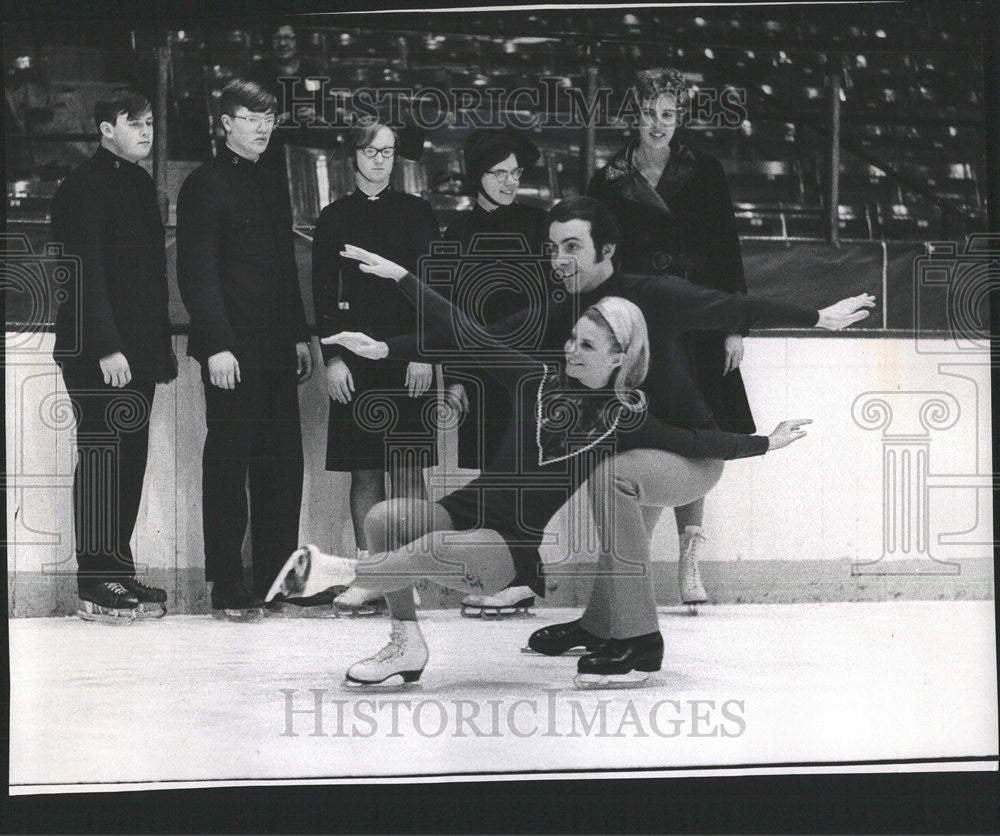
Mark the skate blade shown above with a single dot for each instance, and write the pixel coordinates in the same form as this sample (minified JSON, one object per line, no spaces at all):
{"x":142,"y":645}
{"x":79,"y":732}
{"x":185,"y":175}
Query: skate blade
{"x":150,"y":612}
{"x":402,"y":681}
{"x":472,"y":612}
{"x":251,"y":616}
{"x":506,"y":612}
{"x":364,"y":611}
{"x":573,"y":651}
{"x":118,"y":618}
{"x":691,"y":607}
{"x":594,"y":681}
{"x":283,"y":609}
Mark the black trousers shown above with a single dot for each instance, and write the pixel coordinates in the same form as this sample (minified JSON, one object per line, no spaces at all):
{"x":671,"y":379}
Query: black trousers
{"x":112,"y":440}
{"x":253,"y":431}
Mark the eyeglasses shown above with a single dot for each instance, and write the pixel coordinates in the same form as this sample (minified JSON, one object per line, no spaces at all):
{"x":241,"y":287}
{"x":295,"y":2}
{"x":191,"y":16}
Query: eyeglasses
{"x":501,"y":174}
{"x":372,"y":152}
{"x":258,"y":121}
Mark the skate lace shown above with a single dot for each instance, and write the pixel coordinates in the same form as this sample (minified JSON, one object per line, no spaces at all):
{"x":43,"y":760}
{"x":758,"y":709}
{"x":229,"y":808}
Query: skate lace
{"x":117,"y":588}
{"x":393,"y":650}
{"x":694,"y":540}
{"x":139,"y":585}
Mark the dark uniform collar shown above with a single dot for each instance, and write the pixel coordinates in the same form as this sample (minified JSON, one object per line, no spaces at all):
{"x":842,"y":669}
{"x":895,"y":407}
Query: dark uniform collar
{"x":109,"y":158}
{"x":229,"y":157}
{"x":499,"y":207}
{"x":360,"y":195}
{"x":603,"y":289}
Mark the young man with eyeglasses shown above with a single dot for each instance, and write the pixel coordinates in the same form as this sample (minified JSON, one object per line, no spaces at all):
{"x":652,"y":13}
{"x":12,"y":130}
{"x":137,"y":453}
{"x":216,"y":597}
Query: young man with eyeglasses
{"x":238,"y":278}
{"x":113,"y":344}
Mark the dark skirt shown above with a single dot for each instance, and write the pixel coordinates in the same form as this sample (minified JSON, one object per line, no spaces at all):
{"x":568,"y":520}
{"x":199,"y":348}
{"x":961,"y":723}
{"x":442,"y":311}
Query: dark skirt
{"x":382,"y":424}
{"x":483,"y":427}
{"x":724,"y":394}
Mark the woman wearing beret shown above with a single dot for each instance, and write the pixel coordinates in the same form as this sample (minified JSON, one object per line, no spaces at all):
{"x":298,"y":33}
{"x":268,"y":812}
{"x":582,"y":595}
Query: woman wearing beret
{"x":375,"y":406}
{"x":488,"y":290}
{"x":673,"y":206}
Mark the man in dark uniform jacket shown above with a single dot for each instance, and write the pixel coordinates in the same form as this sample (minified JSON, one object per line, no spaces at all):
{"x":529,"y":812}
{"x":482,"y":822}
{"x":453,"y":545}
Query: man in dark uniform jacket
{"x":238,"y":279}
{"x":113,"y":343}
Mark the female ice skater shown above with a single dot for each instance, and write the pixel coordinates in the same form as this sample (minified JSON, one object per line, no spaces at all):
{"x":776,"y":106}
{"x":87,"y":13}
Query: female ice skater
{"x":565,"y":423}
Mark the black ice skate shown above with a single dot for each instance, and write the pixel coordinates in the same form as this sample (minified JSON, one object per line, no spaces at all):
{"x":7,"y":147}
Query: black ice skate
{"x":232,"y":601}
{"x":512,"y":602}
{"x":152,"y":599}
{"x":568,"y":639}
{"x":621,"y":663}
{"x":108,"y":602}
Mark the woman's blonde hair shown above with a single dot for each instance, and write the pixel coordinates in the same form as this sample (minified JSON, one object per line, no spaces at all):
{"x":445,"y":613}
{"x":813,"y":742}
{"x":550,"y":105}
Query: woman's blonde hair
{"x":657,"y":81}
{"x":630,"y":336}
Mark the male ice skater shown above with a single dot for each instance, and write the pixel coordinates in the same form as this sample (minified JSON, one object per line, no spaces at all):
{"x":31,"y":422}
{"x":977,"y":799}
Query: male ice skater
{"x":113,"y":343}
{"x":238,"y":279}
{"x":620,"y":620}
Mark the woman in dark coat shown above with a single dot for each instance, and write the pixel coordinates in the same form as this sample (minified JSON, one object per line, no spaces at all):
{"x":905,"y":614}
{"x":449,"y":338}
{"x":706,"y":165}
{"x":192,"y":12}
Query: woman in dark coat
{"x":375,"y":406}
{"x":497,"y":227}
{"x":673,"y":207}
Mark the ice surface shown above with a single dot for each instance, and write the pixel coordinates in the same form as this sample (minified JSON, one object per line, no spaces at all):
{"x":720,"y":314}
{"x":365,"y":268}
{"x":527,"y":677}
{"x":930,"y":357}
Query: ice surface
{"x":189,"y":698}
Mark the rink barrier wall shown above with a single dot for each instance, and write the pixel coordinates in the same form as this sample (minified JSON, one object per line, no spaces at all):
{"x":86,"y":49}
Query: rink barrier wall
{"x":796,"y":525}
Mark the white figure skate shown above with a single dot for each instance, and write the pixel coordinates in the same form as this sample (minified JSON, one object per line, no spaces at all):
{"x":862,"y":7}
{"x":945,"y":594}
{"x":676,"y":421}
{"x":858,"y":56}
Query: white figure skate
{"x":309,"y":572}
{"x":399,"y":663}
{"x":688,"y":577}
{"x":512,"y":602}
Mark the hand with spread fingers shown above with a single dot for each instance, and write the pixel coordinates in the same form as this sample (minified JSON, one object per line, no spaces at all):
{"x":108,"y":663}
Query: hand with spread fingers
{"x":845,"y":312}
{"x":786,"y":432}
{"x":372,"y":263}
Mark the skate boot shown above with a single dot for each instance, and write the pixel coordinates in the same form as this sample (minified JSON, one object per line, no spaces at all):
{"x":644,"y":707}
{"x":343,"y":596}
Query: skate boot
{"x":152,"y":599}
{"x":357,"y":601}
{"x":232,"y":601}
{"x":308,"y":572}
{"x":514,"y":601}
{"x":569,"y":639}
{"x":400,"y":662}
{"x":688,"y":577}
{"x":620,"y":663}
{"x":108,"y":602}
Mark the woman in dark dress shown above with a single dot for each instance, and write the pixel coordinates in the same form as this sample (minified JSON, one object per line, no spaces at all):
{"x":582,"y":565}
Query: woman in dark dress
{"x":381,"y":412}
{"x":487,"y":292}
{"x":673,"y":207}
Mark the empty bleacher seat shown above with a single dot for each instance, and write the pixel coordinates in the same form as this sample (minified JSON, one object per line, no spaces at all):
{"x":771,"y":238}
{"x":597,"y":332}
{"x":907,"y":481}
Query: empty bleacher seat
{"x":764,"y":182}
